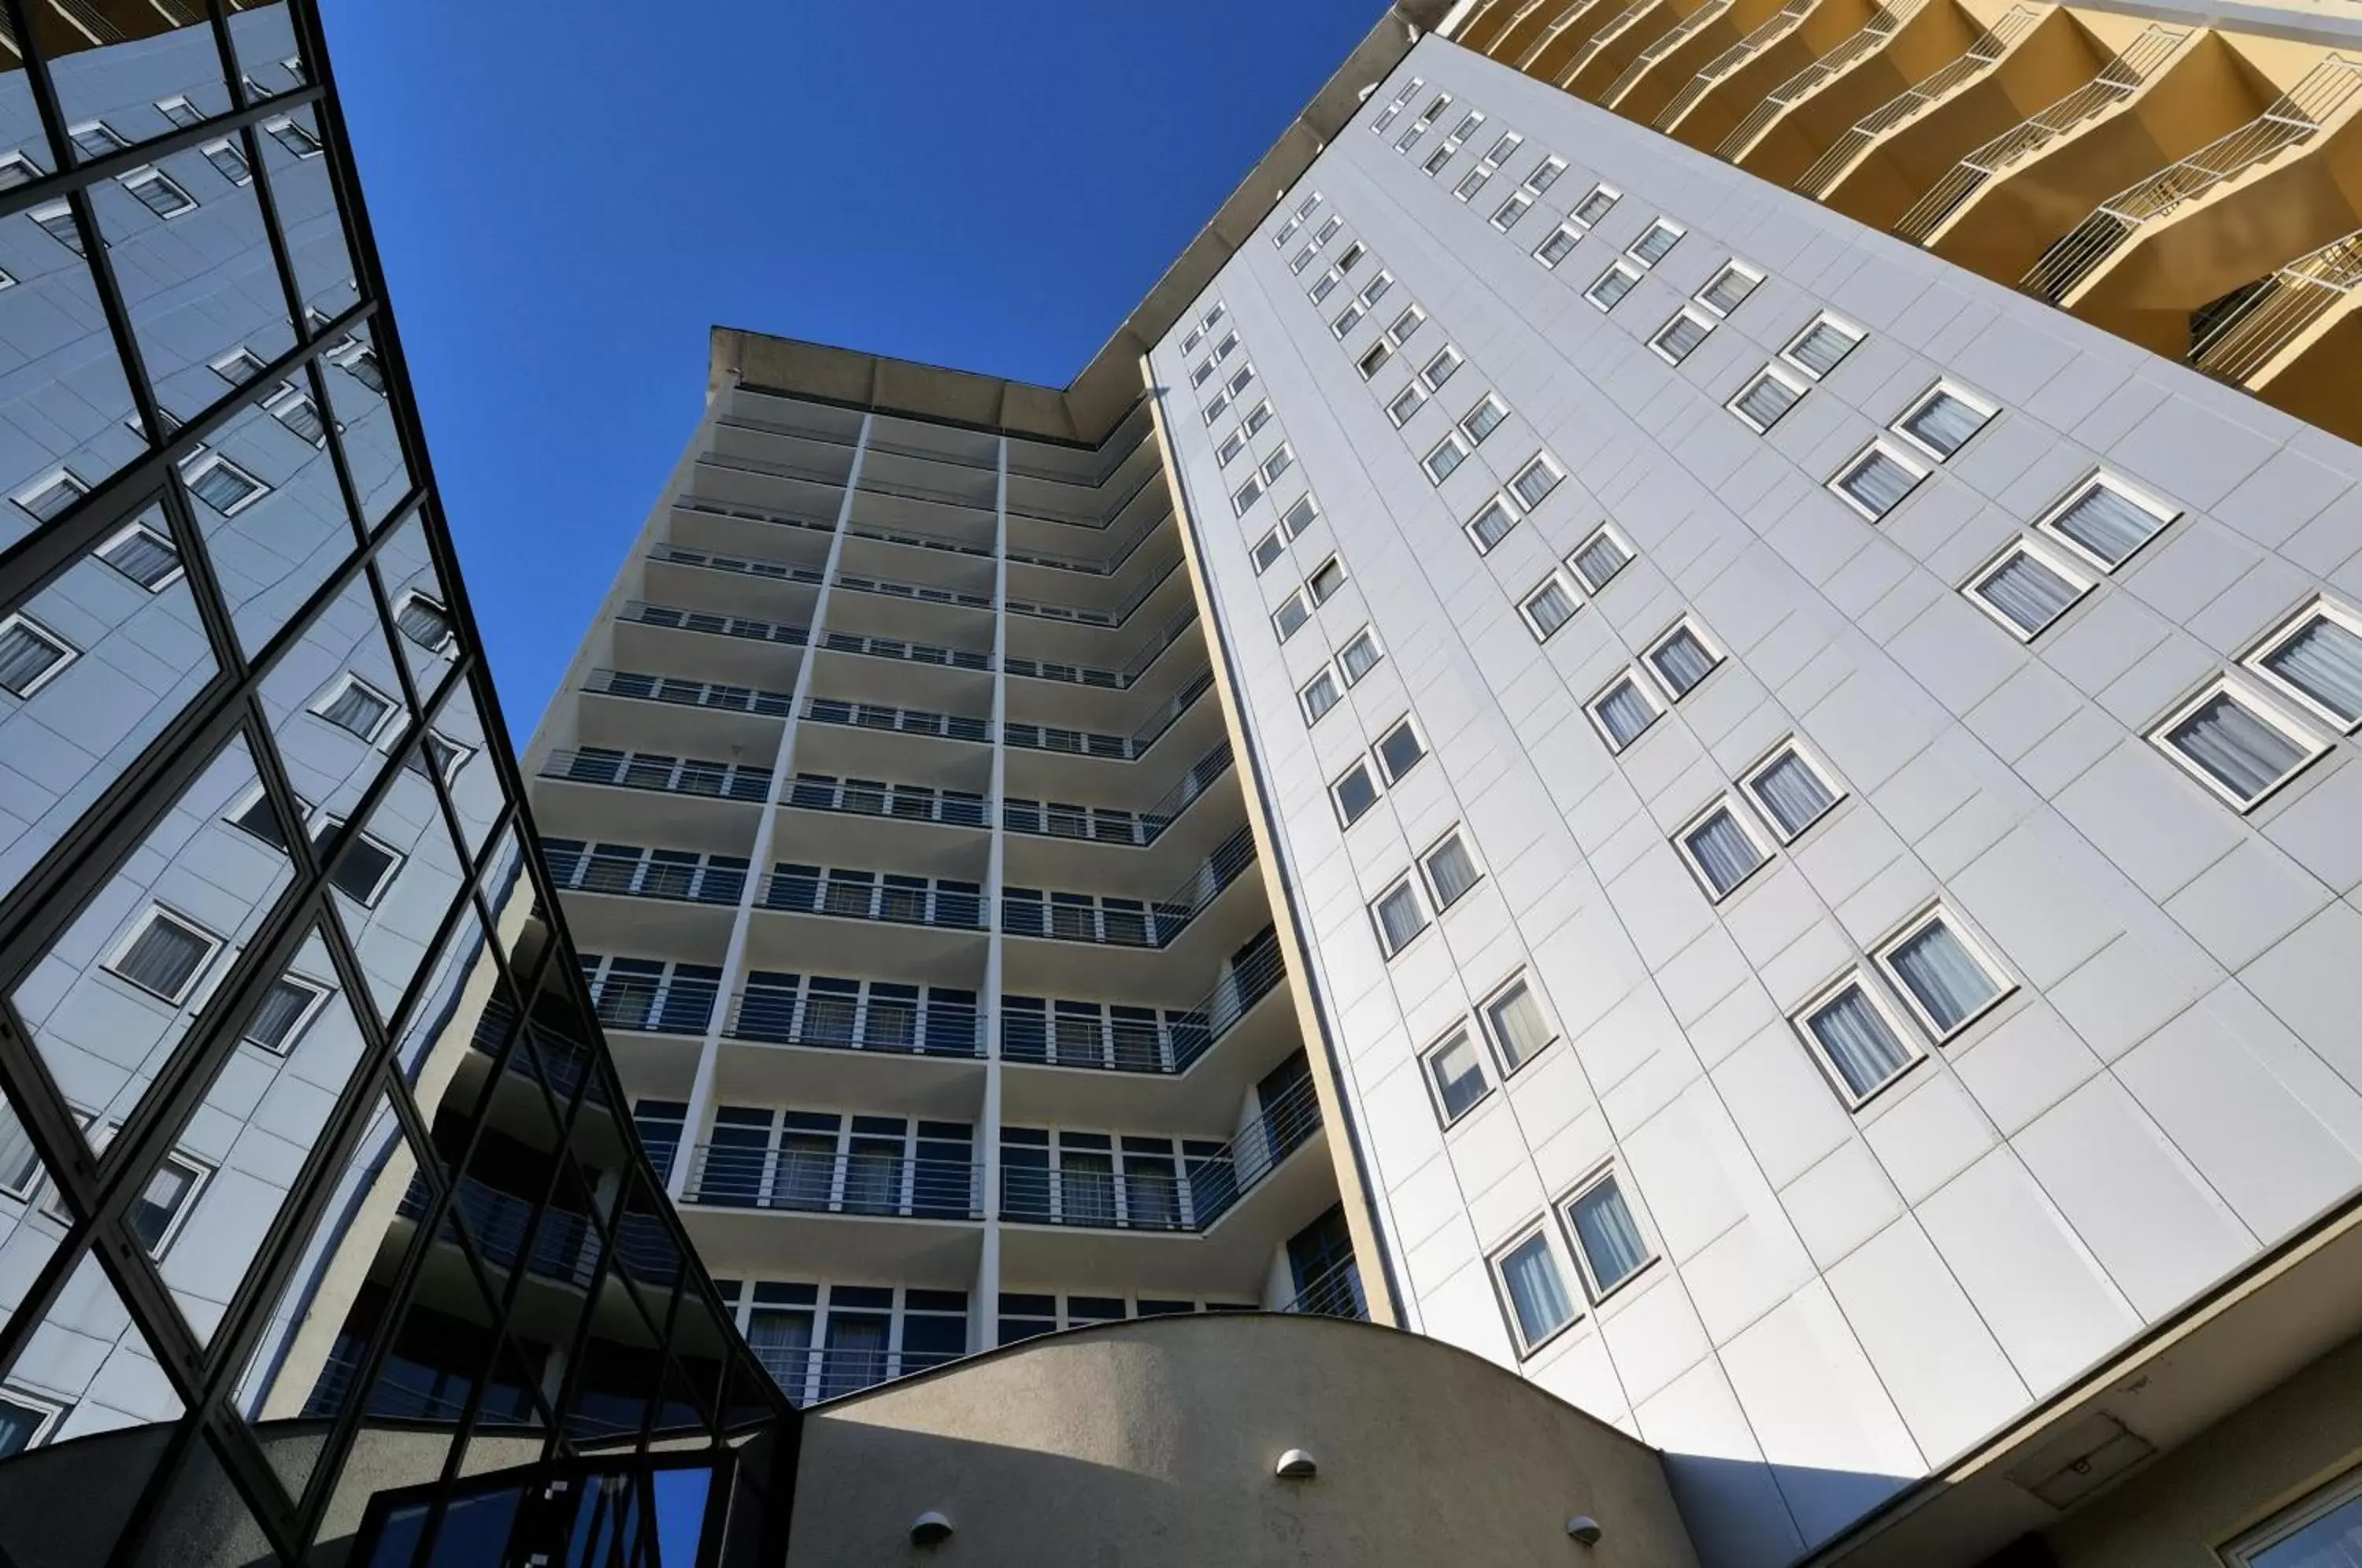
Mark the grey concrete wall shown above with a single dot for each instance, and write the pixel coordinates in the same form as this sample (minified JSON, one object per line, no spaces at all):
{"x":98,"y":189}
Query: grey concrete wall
{"x":1154,"y":1443}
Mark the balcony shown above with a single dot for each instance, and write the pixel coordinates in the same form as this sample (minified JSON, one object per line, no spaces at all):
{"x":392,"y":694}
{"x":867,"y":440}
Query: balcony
{"x":812,"y":918}
{"x":855,"y":1183}
{"x":688,"y":801}
{"x":1127,"y":922}
{"x":665,"y":711}
{"x":810,"y":1374}
{"x":730,"y":648}
{"x":1126,"y":748}
{"x":774,"y":1015}
{"x":911,"y":1049}
{"x":1769,"y":53}
{"x":1334,"y":1292}
{"x":2296,"y":337}
{"x":1109,"y":824}
{"x":1780,"y":137}
{"x":628,"y":896}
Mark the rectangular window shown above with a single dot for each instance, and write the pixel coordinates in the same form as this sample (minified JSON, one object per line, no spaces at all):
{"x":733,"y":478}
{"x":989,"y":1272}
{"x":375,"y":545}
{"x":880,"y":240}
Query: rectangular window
{"x":1233,"y":444}
{"x":1405,"y":325}
{"x":155,"y":190}
{"x":1492,"y":524}
{"x":1375,"y":290}
{"x":2317,"y":658}
{"x":1291,"y":616}
{"x":1503,"y":148}
{"x":156,"y":1214}
{"x":1819,"y":348}
{"x":1376,"y":359}
{"x":1612,"y":285}
{"x":1450,"y":870}
{"x":1473,"y":181}
{"x":1535,"y":480}
{"x":424,"y":621}
{"x":1359,"y":655}
{"x":1196,"y":335}
{"x":1607,"y":1240}
{"x":1347,"y":319}
{"x":296,"y":138}
{"x":179,"y":111}
{"x":1624,"y":711}
{"x":1448,"y":454}
{"x":2107,"y":521}
{"x":1682,"y":658}
{"x":1548,"y":608}
{"x":1326,"y":231}
{"x":2025,"y":588}
{"x":1278,"y":463}
{"x":295,"y":409}
{"x":1299,"y":516}
{"x":1506,"y":215}
{"x":1945,"y":977}
{"x":1326,"y":580}
{"x":1489,"y":414}
{"x":1676,"y":339}
{"x":31,"y":655}
{"x":56,"y":221}
{"x":1728,"y":289}
{"x":1407,"y":401}
{"x":1355,"y":792}
{"x":2236,"y":745}
{"x":1399,"y":750}
{"x":1267,"y":550}
{"x":1351,"y":257}
{"x":229,"y":161}
{"x":1247,"y":494}
{"x":357,"y":708}
{"x":1545,"y":173}
{"x":1599,"y":559}
{"x":1320,"y":694}
{"x":1455,"y":1070}
{"x":1597,"y":205}
{"x":286,"y":1009}
{"x":1761,"y":402}
{"x":1387,"y":115}
{"x":144,"y":555}
{"x":365,"y":870}
{"x":1940,"y":423}
{"x":1439,"y":368}
{"x":1398,"y":915}
{"x":1876,"y":480}
{"x":1535,"y":1290}
{"x":1198,"y":377}
{"x":239,"y":366}
{"x":257,"y":817}
{"x":1656,"y":242}
{"x":1790,"y":791}
{"x":1721,"y":850}
{"x":222,"y":484}
{"x":1859,"y":1047}
{"x":96,"y":138}
{"x":47,"y":497}
{"x":1557,"y":248}
{"x":1217,"y":408}
{"x":1514,"y":1018}
{"x":165,"y":955}
{"x":1439,"y":157}
{"x":2323,"y":1530}
{"x":16,"y":169}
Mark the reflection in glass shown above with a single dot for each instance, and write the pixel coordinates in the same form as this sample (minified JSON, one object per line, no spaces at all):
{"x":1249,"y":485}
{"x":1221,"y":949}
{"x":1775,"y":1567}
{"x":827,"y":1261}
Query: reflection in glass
{"x":355,"y":378}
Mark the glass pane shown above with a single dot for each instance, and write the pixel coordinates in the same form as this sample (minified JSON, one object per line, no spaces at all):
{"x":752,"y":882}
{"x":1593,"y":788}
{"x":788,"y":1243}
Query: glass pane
{"x":1858,"y":1043}
{"x":1945,"y":977}
{"x":356,"y":381}
{"x":115,"y":993}
{"x":2027,"y":592}
{"x":139,"y":656}
{"x":285,"y":541}
{"x":2333,"y":1540}
{"x":466,"y":775}
{"x":1611,"y":1240}
{"x":1537,"y":1292}
{"x":2323,"y":660}
{"x":420,"y":606}
{"x":395,"y":883}
{"x":1792,"y":793}
{"x":2108,"y":524}
{"x":2234,"y":748}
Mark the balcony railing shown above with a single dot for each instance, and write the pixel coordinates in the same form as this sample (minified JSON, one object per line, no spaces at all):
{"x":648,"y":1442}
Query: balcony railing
{"x":745,"y":626}
{"x":673,"y":1004}
{"x":908,"y":651}
{"x":749,"y":566}
{"x":1088,"y":742}
{"x":671,"y":775}
{"x":2280,"y":311}
{"x":1850,"y":50}
{"x":1786,"y":21}
{"x":875,"y":797}
{"x":2117,"y":80}
{"x":919,"y":592}
{"x":1138,"y":1040}
{"x":885,"y":1184}
{"x":1980,"y":57}
{"x":903,"y":720}
{"x":564,"y":1248}
{"x":1208,"y":1187}
{"x":865,"y":895}
{"x":636,"y":872}
{"x":1127,"y":922}
{"x":919,"y":1026}
{"x":1672,"y":39}
{"x":755,"y":514}
{"x":1334,"y":1292}
{"x":1172,"y":632}
{"x":709,"y":694}
{"x":2321,"y":95}
{"x":1102,"y":824}
{"x":809,"y":1374}
{"x":1114,"y":617}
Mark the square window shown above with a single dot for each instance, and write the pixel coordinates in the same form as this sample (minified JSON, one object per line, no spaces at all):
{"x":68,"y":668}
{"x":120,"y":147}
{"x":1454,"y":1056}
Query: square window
{"x":1876,"y":480}
{"x":155,"y":190}
{"x":1858,"y":1044}
{"x":47,"y":497}
{"x":1940,"y":423}
{"x":2236,"y":745}
{"x":56,"y":221}
{"x":1267,"y":550}
{"x":1247,"y":494}
{"x":1448,"y":454}
{"x":1399,"y":750}
{"x":1761,"y":402}
{"x":1438,"y":369}
{"x":31,"y":655}
{"x":144,"y":555}
{"x":1946,"y":978}
{"x":364,"y":871}
{"x":1320,"y":694}
{"x":1489,"y":414}
{"x":1535,"y":480}
{"x":1299,"y":516}
{"x":1676,"y":339}
{"x":1601,"y":201}
{"x":436,"y":756}
{"x":222,"y":484}
{"x":156,"y":1214}
{"x":2025,"y":588}
{"x":1506,"y":215}
{"x":1450,"y":870}
{"x":96,"y":138}
{"x":1721,"y":849}
{"x":257,"y":817}
{"x":228,"y":161}
{"x":1355,"y":792}
{"x":1492,"y":524}
{"x":1682,"y":658}
{"x":164,"y":954}
{"x":1656,"y":242}
{"x":295,"y":137}
{"x":2317,"y":658}
{"x":425,"y":621}
{"x":1790,"y":791}
{"x":1407,"y":401}
{"x":1455,"y":1071}
{"x":1291,"y":616}
{"x":1514,"y":1020}
{"x":1612,"y":285}
{"x":2107,"y":521}
{"x":1359,"y":655}
{"x":287,"y":1007}
{"x":1608,"y":1244}
{"x":356,"y":707}
{"x":1557,"y":248}
{"x":1398,"y":915}
{"x":1820,"y":347}
{"x":1599,"y":559}
{"x":1535,"y":1289}
{"x":1326,"y":580}
{"x":1728,"y":289}
{"x":1548,"y":608}
{"x":1376,"y":359}
{"x":1624,"y":711}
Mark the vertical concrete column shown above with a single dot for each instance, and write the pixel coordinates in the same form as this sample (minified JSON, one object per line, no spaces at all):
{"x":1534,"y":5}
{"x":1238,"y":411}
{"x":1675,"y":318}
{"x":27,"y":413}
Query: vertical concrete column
{"x":985,"y":1314}
{"x":694,"y":1129}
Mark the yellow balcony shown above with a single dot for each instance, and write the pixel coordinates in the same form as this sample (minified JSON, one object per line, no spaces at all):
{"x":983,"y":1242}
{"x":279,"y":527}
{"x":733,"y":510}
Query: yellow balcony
{"x":1597,"y":65}
{"x":1666,"y":66}
{"x":2295,"y":339}
{"x":1903,"y":42}
{"x":1726,"y":87}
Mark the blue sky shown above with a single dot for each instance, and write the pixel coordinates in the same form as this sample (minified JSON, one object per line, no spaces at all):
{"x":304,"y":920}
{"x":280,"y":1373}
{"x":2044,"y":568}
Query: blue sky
{"x":566,"y":198}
